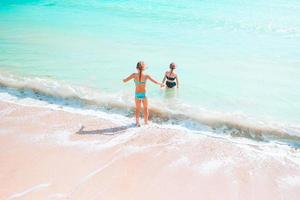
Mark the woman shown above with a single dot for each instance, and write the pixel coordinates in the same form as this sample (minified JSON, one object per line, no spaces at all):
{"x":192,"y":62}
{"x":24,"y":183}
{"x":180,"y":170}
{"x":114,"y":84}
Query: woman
{"x":171,"y":77}
{"x":140,"y":91}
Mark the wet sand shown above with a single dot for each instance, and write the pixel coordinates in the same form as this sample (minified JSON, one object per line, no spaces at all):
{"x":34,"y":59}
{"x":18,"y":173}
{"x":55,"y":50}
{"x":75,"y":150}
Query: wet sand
{"x":53,"y":154}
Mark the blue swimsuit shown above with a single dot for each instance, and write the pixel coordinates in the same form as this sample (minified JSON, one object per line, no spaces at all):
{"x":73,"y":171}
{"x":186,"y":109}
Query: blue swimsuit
{"x":140,"y":95}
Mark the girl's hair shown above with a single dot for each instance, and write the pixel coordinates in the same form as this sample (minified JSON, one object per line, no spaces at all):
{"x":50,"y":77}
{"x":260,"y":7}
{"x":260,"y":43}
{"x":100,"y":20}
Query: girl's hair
{"x":139,"y":66}
{"x":172,"y":67}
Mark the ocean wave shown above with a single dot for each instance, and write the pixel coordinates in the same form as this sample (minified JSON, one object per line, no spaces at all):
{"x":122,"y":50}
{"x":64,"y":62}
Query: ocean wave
{"x":182,"y":114}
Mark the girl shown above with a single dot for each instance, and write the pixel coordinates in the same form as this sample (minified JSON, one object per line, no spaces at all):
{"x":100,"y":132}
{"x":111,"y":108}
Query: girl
{"x":171,"y":78}
{"x":140,"y":91}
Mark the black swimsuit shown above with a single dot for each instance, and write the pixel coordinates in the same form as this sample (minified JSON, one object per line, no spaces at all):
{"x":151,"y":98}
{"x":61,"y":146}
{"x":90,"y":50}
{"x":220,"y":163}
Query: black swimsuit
{"x":170,"y":82}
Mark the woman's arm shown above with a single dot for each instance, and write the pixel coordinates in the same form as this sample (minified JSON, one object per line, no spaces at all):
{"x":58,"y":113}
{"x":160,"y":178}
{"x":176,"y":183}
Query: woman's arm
{"x":177,"y":81}
{"x":154,"y":81}
{"x":163,"y":81}
{"x":128,"y":78}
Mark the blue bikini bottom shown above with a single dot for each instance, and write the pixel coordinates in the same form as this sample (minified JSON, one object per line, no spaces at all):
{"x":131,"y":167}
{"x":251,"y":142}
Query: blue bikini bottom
{"x":140,"y":96}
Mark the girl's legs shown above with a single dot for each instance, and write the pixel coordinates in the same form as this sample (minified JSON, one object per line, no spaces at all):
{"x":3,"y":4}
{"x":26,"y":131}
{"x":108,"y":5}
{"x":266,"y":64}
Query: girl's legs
{"x":146,"y":112}
{"x":137,"y":111}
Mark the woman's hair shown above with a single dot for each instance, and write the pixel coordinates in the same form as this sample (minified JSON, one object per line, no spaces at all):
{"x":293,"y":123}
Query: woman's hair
{"x":172,"y":67}
{"x":139,"y":66}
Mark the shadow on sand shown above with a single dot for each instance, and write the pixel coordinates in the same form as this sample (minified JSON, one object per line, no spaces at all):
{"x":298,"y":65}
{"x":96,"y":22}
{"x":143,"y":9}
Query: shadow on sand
{"x":106,"y":131}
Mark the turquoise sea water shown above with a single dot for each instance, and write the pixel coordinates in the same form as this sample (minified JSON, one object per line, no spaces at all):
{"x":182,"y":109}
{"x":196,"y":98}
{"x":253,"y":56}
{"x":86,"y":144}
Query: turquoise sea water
{"x":234,"y":57}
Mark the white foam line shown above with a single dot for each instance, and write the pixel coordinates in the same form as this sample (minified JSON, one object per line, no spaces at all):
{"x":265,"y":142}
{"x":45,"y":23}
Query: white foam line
{"x":90,"y":175}
{"x":55,"y":196}
{"x":95,"y":172}
{"x":98,"y":170}
{"x":28,"y":102}
{"x":32,"y":189}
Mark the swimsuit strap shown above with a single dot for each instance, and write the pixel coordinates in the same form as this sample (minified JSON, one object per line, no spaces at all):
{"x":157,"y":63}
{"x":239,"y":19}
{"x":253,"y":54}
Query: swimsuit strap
{"x":139,"y":82}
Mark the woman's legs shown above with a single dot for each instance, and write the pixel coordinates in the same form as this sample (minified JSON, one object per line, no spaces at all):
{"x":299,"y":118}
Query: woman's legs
{"x":146,"y":112}
{"x":137,"y":111}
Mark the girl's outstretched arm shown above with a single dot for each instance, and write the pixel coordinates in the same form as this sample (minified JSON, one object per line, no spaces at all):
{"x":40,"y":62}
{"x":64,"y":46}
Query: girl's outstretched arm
{"x":128,"y":78}
{"x":154,"y":81}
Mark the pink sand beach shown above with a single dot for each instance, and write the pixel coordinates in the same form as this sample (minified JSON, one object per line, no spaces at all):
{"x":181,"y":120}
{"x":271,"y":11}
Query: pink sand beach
{"x":50,"y":153}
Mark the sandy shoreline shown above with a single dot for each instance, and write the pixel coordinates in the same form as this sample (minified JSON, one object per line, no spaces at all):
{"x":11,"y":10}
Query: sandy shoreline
{"x":45,"y":155}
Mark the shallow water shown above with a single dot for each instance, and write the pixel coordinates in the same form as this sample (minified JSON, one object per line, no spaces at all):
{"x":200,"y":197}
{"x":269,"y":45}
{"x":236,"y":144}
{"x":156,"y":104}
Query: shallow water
{"x":238,"y":59}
